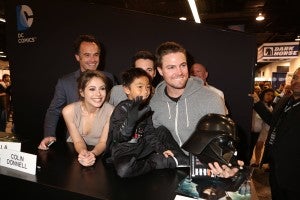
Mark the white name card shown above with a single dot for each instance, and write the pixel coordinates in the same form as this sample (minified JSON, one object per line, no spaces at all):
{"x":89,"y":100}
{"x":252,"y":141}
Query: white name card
{"x":10,"y":145}
{"x":179,"y":197}
{"x":17,"y":160}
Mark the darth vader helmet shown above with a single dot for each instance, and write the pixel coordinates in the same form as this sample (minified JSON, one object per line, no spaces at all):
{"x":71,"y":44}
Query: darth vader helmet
{"x":214,"y":140}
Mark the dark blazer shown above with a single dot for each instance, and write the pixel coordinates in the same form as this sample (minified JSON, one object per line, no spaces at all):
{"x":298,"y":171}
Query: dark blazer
{"x":66,"y":92}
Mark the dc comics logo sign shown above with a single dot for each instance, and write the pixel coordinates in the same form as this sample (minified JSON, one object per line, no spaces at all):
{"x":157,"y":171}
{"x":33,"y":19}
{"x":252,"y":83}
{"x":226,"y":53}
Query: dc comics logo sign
{"x":24,"y":17}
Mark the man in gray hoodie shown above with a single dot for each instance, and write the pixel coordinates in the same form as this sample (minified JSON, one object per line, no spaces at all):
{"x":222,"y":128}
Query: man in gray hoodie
{"x":179,"y":102}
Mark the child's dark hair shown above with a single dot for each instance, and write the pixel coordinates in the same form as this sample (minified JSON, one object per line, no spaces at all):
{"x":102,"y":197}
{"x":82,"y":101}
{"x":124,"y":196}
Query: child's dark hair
{"x":131,"y":74}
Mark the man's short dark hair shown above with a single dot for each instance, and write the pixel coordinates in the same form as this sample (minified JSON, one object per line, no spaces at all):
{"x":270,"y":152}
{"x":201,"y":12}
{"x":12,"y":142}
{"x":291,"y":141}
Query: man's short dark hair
{"x":142,"y":54}
{"x":167,"y":48}
{"x":85,"y":38}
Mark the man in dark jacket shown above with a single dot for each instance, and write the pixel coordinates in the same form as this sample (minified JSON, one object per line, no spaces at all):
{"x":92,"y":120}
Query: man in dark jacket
{"x":282,"y":146}
{"x":87,"y":53}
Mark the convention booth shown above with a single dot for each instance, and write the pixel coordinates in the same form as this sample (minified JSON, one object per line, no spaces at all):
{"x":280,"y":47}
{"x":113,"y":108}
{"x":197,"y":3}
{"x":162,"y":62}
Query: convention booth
{"x":40,"y":51}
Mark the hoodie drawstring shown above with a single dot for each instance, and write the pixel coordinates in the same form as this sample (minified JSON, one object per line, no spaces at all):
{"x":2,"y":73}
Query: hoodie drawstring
{"x":176,"y":125}
{"x":186,"y":113}
{"x":169,"y":110}
{"x":176,"y":118}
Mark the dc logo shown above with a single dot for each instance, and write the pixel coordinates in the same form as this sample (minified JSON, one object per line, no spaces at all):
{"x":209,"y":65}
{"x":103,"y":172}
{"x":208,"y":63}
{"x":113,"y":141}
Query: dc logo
{"x":24,"y":17}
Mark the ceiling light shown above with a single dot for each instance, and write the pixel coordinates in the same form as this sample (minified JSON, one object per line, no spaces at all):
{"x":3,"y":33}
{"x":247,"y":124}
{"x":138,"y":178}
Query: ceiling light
{"x":194,"y":11}
{"x":2,"y":54}
{"x":298,"y":38}
{"x":2,"y":20}
{"x":260,"y":17}
{"x":182,"y":18}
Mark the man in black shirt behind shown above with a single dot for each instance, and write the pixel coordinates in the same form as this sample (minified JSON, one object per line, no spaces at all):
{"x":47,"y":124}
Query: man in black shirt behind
{"x":282,"y":146}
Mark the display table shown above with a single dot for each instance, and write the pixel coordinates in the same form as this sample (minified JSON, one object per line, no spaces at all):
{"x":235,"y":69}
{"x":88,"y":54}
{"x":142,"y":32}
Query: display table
{"x":59,"y":175}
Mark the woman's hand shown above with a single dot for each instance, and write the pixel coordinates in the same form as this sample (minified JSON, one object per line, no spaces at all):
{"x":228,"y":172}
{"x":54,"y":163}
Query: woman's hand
{"x":86,"y":158}
{"x":224,"y":171}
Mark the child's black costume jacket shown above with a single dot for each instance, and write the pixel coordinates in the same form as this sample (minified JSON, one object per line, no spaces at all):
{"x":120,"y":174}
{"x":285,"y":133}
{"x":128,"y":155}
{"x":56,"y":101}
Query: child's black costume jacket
{"x":136,"y":147}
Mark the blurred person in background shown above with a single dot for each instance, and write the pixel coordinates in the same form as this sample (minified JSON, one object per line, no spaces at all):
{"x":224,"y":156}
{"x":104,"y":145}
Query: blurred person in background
{"x":5,"y":97}
{"x":200,"y":71}
{"x":267,"y":97}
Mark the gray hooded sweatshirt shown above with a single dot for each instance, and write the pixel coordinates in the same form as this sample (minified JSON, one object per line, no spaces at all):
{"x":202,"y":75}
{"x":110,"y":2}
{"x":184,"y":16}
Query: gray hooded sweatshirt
{"x":181,"y":117}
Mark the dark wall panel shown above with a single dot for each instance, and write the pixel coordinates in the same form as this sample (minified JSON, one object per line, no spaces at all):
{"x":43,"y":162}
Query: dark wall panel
{"x":229,"y":55}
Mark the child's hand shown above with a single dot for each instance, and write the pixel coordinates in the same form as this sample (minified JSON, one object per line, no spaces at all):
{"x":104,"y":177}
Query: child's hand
{"x":168,"y":153}
{"x":134,"y":113}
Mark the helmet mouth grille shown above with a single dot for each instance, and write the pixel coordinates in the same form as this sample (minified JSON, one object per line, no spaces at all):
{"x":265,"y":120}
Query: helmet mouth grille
{"x":219,"y":150}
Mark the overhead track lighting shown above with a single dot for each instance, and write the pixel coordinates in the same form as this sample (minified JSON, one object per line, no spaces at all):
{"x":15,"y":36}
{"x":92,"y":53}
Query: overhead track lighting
{"x":194,"y":11}
{"x":260,"y":17}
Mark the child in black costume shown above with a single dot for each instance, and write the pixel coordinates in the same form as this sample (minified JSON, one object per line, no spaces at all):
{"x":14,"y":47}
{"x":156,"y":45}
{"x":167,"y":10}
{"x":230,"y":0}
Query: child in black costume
{"x":135,"y":146}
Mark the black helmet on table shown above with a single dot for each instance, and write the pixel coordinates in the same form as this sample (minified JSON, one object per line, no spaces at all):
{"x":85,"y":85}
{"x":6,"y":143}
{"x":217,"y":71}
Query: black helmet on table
{"x":214,"y":140}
